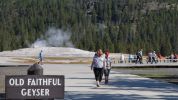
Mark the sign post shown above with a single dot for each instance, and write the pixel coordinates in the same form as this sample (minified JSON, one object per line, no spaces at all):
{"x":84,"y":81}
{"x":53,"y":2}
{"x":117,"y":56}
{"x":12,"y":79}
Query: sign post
{"x":34,"y":87}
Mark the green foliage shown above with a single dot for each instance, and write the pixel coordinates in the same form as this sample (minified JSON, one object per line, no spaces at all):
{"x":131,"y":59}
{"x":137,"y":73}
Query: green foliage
{"x":117,"y":25}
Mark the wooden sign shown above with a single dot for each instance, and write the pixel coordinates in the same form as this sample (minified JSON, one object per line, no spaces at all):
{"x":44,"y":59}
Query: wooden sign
{"x":34,"y":87}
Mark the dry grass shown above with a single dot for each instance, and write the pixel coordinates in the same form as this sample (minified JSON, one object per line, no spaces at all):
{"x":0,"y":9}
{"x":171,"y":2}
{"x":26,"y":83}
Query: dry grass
{"x":56,"y":60}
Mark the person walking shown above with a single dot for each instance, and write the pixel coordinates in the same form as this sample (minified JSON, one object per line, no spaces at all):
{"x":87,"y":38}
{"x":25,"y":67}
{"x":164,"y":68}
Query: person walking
{"x":141,"y":56}
{"x":154,"y":56}
{"x":97,"y":66}
{"x":149,"y":57}
{"x":138,"y":57}
{"x":175,"y":57}
{"x":122,"y":59}
{"x":107,"y":67}
{"x":172,"y":57}
{"x":40,"y":57}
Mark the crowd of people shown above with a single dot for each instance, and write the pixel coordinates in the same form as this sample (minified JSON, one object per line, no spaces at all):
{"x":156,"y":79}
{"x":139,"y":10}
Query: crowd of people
{"x":152,"y":57}
{"x":101,"y":64}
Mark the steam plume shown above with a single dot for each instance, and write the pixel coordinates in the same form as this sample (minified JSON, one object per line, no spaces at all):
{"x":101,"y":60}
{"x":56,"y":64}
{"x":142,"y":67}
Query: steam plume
{"x":54,"y":38}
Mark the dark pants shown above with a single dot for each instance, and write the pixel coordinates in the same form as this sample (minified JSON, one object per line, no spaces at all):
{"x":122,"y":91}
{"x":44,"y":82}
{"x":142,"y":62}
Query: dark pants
{"x":139,"y":60}
{"x":106,"y":72}
{"x":98,"y":74}
{"x":153,"y":60}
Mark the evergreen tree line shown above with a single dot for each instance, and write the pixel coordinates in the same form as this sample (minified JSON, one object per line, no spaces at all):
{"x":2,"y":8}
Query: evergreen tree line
{"x":117,"y":25}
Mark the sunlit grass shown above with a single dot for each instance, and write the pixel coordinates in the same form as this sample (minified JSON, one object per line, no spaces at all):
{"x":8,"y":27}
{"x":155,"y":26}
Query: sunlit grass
{"x":55,"y":60}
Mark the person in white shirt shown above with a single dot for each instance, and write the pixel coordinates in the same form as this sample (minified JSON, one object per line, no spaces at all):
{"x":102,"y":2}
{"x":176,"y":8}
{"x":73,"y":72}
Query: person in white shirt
{"x":122,"y":58}
{"x":97,"y":66}
{"x":154,"y":56}
{"x":141,"y":56}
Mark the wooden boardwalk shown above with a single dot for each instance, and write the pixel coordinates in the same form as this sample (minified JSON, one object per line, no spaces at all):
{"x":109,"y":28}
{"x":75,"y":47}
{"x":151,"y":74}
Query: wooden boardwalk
{"x":158,"y":65}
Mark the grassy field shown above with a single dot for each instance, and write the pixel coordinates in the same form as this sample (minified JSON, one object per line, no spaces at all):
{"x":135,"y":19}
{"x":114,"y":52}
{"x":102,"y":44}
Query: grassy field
{"x":162,"y":74}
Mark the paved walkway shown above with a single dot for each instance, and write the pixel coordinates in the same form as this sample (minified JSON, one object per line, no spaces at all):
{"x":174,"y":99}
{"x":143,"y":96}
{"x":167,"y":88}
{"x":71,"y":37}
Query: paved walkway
{"x":80,"y":85}
{"x":174,"y":64}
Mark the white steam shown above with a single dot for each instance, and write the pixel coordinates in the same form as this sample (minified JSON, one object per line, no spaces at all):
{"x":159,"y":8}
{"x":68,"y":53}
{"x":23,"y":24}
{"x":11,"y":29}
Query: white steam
{"x":54,"y":38}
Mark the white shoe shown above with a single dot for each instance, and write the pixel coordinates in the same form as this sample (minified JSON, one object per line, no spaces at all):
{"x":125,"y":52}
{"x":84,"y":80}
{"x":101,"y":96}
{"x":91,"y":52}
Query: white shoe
{"x":97,"y":84}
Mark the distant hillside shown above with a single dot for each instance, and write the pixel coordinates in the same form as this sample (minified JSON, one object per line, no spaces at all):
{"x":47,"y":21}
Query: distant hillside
{"x":117,"y":25}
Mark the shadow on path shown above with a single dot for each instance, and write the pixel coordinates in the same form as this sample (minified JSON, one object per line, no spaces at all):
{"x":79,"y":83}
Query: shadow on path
{"x":105,"y":96}
{"x":133,"y":86}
